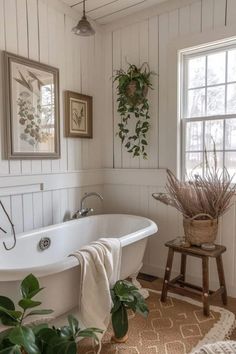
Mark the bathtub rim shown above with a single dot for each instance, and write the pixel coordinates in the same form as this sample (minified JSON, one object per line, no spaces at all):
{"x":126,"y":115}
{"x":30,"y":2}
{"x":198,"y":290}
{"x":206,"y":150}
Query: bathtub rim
{"x":16,"y":274}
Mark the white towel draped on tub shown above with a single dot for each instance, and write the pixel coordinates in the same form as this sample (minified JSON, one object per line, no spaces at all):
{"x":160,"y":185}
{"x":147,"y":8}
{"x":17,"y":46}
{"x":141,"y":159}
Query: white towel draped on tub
{"x":100,"y":263}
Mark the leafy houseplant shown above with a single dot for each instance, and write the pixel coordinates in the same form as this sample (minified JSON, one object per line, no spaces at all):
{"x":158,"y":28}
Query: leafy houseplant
{"x":133,"y":86}
{"x":20,"y":338}
{"x":125,"y":296}
{"x":201,"y":200}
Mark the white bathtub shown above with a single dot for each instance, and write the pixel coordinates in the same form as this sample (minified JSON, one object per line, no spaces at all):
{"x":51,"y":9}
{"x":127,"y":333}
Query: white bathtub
{"x":58,"y":273}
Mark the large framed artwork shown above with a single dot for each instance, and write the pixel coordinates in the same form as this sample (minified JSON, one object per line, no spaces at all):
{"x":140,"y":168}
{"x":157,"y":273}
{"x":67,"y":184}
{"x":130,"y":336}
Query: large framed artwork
{"x":78,"y":115}
{"x":32,"y":109}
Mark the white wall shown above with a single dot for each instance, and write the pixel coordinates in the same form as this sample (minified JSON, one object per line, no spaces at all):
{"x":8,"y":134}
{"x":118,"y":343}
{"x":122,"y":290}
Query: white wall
{"x":41,"y":30}
{"x":149,"y":36}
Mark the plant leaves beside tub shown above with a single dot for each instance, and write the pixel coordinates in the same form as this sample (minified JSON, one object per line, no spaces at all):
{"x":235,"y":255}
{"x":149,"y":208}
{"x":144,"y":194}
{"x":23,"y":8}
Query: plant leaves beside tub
{"x":125,"y":296}
{"x":37,"y":339}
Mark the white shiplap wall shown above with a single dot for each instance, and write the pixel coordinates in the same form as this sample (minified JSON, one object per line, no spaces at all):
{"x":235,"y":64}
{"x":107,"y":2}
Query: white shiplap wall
{"x":149,"y":39}
{"x":41,"y":30}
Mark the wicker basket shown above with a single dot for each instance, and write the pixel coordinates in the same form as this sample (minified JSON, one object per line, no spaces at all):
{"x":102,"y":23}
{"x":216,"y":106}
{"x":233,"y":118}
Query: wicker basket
{"x":198,"y":232}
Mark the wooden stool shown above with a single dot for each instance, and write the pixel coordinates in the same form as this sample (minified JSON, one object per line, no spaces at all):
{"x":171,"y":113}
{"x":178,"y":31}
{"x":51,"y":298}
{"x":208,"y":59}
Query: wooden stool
{"x":184,"y":288}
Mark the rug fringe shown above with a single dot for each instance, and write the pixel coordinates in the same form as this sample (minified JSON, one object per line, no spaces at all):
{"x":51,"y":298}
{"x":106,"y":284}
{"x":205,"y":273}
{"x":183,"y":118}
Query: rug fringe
{"x":227,"y":322}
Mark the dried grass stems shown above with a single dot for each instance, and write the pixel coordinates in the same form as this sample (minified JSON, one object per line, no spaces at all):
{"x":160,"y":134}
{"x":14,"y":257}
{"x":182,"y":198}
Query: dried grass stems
{"x":210,"y":194}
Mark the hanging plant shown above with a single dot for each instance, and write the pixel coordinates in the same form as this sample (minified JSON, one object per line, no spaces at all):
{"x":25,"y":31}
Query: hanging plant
{"x":133,"y":86}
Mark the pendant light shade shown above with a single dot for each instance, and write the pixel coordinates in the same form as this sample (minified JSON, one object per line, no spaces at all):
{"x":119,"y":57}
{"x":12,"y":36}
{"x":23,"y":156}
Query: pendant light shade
{"x":83,"y":28}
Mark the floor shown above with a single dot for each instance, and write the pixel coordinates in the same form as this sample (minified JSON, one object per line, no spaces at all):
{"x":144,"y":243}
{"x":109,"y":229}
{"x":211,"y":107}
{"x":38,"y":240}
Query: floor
{"x":157,"y":285}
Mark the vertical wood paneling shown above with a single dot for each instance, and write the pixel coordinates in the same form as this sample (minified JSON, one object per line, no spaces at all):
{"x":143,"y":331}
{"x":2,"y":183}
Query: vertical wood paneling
{"x":195,"y":17}
{"x":207,"y":14}
{"x":40,"y":31}
{"x":231,"y":12}
{"x":47,"y":208}
{"x":130,"y":54}
{"x":11,"y":45}
{"x":219,"y":13}
{"x":184,"y":20}
{"x":144,"y":57}
{"x":17,"y":212}
{"x":117,"y":65}
{"x":153,"y":57}
{"x":163,"y":93}
{"x":4,"y":165}
{"x":107,"y":146}
{"x":38,"y":210}
{"x":28,"y":212}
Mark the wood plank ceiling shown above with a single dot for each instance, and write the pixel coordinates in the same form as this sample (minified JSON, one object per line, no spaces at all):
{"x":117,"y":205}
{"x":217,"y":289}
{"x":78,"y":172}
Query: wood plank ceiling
{"x":105,"y":11}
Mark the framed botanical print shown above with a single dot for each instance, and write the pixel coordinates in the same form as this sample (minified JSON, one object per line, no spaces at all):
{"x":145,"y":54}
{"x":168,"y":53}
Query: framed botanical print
{"x":78,"y":115}
{"x":32,"y":107}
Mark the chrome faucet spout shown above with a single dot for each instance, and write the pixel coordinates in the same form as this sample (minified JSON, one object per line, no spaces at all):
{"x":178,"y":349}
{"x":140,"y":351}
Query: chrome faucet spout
{"x":83,"y":211}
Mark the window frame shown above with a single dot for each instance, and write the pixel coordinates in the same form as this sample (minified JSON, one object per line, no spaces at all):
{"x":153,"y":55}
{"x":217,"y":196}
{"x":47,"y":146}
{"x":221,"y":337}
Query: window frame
{"x":184,"y":56}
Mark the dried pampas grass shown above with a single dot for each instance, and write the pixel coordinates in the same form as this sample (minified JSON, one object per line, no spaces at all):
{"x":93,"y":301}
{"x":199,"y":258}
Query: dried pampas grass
{"x":210,"y":194}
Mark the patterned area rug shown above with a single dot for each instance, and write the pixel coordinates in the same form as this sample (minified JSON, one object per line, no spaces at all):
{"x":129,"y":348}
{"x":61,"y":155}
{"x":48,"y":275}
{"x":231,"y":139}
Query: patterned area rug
{"x":175,"y":327}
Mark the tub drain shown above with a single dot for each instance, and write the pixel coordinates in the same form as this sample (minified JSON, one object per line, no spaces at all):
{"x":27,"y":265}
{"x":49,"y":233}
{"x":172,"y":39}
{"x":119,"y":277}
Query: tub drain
{"x":44,"y":243}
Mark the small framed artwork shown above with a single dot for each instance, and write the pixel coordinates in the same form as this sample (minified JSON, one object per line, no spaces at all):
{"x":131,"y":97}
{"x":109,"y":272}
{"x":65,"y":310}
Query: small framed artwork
{"x":32,"y":107}
{"x":78,"y":115}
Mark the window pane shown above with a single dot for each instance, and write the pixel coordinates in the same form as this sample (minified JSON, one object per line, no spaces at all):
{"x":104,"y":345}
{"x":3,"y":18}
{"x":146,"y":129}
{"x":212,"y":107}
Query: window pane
{"x":196,"y":72}
{"x":232,"y":65}
{"x":193,"y":164}
{"x":231,"y":98}
{"x":196,"y":103}
{"x":214,"y":132}
{"x":230,"y":134}
{"x":211,"y":159}
{"x":216,"y":100}
{"x":216,"y":68}
{"x":194,"y":136}
{"x":230,"y":164}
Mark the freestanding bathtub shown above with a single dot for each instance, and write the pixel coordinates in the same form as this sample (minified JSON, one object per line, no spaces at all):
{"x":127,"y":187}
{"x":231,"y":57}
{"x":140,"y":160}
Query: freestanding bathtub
{"x":58,"y":273}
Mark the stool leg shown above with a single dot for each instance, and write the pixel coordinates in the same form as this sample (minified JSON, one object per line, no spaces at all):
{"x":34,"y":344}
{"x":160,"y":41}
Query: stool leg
{"x":167,"y":274}
{"x":205,"y":285}
{"x":183,"y":266}
{"x":221,"y":275}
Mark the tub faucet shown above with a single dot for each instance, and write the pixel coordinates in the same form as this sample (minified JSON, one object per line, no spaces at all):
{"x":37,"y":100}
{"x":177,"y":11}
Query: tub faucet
{"x":85,"y":211}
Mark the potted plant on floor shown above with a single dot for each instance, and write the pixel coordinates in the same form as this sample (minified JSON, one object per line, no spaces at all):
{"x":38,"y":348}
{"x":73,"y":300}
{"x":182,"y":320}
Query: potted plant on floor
{"x":20,"y":337}
{"x":125,"y":296}
{"x":133,"y":86}
{"x":201,"y":200}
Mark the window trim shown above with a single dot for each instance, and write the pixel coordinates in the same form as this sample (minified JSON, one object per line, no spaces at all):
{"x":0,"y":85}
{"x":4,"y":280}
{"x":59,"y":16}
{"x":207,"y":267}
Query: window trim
{"x":183,"y":56}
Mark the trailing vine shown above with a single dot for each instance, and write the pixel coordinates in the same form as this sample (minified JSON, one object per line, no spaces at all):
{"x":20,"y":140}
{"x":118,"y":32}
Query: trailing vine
{"x":132,"y":88}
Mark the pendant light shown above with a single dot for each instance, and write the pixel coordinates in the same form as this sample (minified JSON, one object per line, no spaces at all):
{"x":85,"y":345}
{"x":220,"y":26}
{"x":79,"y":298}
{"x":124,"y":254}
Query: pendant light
{"x":83,"y":28}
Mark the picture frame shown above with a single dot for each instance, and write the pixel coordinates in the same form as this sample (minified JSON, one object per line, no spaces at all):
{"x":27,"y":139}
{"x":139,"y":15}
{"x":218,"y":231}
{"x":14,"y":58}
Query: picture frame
{"x":32,"y":109}
{"x":78,"y":115}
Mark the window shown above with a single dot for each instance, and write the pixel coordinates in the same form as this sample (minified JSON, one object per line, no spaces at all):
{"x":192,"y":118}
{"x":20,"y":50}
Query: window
{"x":208,"y":108}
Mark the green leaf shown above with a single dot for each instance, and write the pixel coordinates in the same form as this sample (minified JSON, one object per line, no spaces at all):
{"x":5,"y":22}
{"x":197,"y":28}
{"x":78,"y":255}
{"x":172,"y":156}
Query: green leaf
{"x":73,"y":323}
{"x":57,"y":345}
{"x":28,"y":303}
{"x":24,"y":336}
{"x":120,"y":322}
{"x":30,"y":287}
{"x":46,"y":334}
{"x":90,"y":333}
{"x":13,"y":314}
{"x":11,"y":350}
{"x":37,"y":328}
{"x":40,"y":312}
{"x":7,"y":303}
